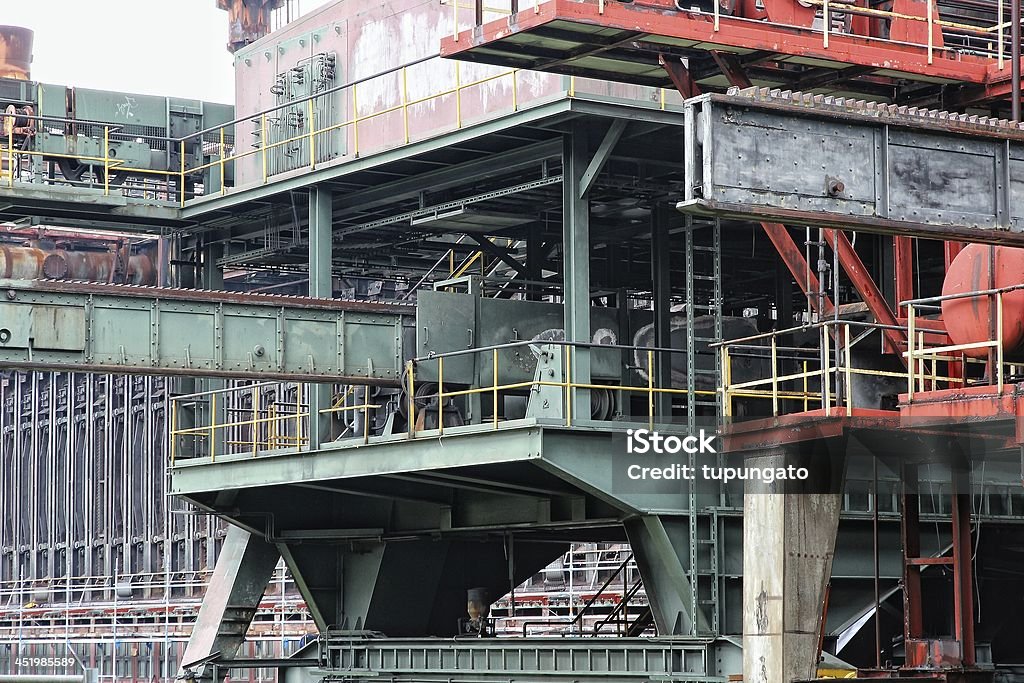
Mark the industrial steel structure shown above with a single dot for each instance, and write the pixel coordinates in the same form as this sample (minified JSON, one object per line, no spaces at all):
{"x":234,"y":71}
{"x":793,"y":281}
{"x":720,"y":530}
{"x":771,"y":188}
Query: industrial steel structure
{"x":393,"y":321}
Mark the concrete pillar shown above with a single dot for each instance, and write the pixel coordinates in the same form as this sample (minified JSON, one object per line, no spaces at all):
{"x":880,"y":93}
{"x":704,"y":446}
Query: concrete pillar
{"x":789,"y":537}
{"x":320,"y":285}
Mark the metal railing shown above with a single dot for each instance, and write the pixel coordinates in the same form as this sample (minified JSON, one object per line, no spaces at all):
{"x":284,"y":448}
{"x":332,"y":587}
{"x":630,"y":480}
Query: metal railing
{"x":795,"y":378}
{"x":563,"y":381}
{"x":823,"y":375}
{"x":12,"y":156}
{"x":313,"y":132}
{"x":249,"y":419}
{"x":317,"y":133}
{"x":830,"y":9}
{"x":924,"y":359}
{"x":254,"y":418}
{"x":619,"y":614}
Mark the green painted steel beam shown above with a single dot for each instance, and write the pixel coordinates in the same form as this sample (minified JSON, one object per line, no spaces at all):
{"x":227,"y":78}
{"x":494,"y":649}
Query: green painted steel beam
{"x":546,"y":114}
{"x":146,"y":330}
{"x":336,"y":461}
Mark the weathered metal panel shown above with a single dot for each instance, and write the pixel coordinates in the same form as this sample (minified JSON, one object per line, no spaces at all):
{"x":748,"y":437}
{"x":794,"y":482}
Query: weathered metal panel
{"x":371,"y":41}
{"x":762,"y":154}
{"x":451,"y":322}
{"x":161,"y":331}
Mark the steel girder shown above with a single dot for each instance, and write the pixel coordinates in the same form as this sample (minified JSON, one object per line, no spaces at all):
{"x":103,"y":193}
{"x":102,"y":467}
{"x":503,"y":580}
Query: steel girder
{"x":833,"y":162}
{"x":148,"y":330}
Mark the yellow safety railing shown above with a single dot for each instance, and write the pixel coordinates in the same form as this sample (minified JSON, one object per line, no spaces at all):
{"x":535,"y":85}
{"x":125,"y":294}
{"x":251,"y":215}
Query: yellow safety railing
{"x":218,"y":149}
{"x":254,"y":419}
{"x":249,"y":419}
{"x":792,"y":378}
{"x":314,"y":131}
{"x":923,"y":358}
{"x":567,"y":387}
{"x":11,"y":155}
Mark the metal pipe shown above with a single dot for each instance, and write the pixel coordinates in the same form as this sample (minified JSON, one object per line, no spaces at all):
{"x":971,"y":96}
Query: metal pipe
{"x":875,"y":561}
{"x":31,"y":263}
{"x":1015,"y":57}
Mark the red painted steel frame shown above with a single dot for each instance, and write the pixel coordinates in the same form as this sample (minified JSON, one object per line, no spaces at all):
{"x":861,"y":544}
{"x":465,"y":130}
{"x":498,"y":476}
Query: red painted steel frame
{"x":854,"y":268}
{"x":903,"y":250}
{"x":742,"y":34}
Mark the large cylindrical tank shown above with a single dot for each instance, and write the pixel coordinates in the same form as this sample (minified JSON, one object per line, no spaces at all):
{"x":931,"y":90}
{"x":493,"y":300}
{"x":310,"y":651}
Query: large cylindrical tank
{"x":31,"y":263}
{"x":972,"y":319}
{"x":15,"y":52}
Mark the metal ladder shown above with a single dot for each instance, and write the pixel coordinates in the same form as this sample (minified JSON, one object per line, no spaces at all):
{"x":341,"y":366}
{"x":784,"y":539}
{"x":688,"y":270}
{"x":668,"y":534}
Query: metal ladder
{"x":703,"y":297}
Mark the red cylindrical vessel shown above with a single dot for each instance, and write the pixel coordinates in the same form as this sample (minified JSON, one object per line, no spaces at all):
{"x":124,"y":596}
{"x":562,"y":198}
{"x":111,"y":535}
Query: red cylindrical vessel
{"x":973,"y":319}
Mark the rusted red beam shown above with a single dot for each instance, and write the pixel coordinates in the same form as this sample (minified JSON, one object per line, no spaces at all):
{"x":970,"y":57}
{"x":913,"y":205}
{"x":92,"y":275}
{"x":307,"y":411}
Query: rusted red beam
{"x":963,"y":575}
{"x":903,"y":257}
{"x":798,"y":267}
{"x":950,"y":250}
{"x":680,"y":76}
{"x":732,"y":68}
{"x":854,"y":268}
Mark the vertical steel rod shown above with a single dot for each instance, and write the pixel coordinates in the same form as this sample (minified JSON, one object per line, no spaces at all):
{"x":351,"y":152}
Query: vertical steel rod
{"x":1015,"y":59}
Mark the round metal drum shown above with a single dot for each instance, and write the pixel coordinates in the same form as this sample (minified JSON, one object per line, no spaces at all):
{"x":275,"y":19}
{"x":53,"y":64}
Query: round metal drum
{"x":973,"y":319}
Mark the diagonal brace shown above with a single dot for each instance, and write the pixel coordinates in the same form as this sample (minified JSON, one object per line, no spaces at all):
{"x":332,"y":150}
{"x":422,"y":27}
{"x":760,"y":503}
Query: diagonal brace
{"x":854,"y":268}
{"x":487,"y":245}
{"x":602,"y":155}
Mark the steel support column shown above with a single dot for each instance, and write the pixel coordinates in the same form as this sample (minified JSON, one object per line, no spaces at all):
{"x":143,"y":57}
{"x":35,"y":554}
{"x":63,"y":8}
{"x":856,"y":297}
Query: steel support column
{"x":213,"y":280}
{"x":903,"y":250}
{"x":320,"y":286}
{"x":910,"y":532}
{"x":244,"y":568}
{"x":576,"y":263}
{"x":963,"y":575}
{"x":657,"y":545}
{"x":661,"y":276}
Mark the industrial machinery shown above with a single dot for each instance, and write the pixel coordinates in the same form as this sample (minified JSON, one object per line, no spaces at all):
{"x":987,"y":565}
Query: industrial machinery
{"x":88,"y":138}
{"x":789,"y":241}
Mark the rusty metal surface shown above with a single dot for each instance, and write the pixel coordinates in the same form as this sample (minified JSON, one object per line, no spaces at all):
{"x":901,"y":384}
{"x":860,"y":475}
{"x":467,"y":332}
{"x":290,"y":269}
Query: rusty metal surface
{"x":794,"y":102}
{"x":882,"y":226}
{"x":204,"y":295}
{"x":747,"y":152}
{"x":248,"y":20}
{"x":151,"y":330}
{"x":31,"y":263}
{"x":15,"y":52}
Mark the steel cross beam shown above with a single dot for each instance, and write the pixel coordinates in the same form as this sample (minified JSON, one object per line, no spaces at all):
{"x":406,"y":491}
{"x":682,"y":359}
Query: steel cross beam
{"x":150,"y":330}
